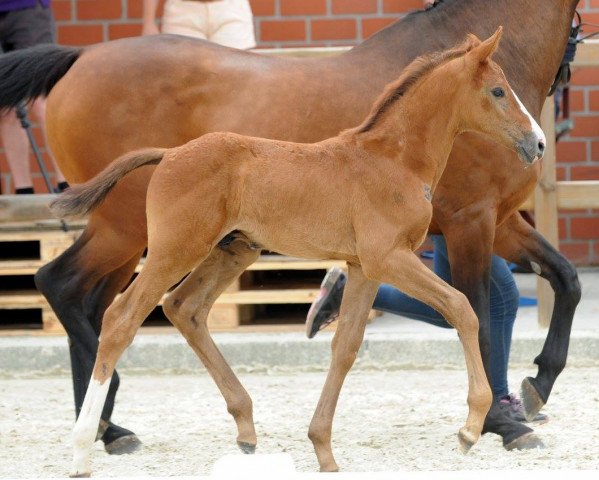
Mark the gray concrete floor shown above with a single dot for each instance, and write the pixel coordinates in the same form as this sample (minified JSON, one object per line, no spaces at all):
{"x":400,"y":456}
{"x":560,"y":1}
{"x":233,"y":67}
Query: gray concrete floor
{"x":390,"y":342}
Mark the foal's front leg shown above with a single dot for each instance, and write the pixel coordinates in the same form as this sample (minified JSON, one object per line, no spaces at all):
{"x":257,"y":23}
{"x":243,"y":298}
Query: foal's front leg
{"x":405,"y":271}
{"x":187,"y":307}
{"x":358,"y":297}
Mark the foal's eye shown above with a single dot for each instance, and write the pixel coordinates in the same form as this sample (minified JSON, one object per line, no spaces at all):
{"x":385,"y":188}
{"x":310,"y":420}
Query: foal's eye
{"x":498,"y":92}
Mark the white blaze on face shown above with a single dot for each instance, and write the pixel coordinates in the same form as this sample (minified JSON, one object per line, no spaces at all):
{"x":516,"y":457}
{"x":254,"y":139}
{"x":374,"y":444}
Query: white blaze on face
{"x":538,"y":131}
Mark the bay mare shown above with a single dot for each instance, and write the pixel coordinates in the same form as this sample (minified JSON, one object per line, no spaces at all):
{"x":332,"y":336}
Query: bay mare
{"x":376,"y":181}
{"x":107,"y":99}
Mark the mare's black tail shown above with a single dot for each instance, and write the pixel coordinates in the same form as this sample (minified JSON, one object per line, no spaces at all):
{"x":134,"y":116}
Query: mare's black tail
{"x":32,"y":72}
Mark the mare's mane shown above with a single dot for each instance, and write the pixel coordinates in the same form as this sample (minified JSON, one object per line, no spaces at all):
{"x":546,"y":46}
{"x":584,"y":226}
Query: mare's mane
{"x":414,"y":72}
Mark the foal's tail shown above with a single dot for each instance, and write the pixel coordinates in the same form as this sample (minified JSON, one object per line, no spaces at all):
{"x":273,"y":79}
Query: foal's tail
{"x":32,"y":72}
{"x":81,"y":199}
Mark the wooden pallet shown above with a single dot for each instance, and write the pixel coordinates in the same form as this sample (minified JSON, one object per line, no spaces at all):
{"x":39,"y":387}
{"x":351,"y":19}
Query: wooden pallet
{"x":233,"y":308}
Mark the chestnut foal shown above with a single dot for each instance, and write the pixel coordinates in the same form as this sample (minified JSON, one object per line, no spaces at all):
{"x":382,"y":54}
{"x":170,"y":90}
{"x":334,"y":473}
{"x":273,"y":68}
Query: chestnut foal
{"x":376,"y":182}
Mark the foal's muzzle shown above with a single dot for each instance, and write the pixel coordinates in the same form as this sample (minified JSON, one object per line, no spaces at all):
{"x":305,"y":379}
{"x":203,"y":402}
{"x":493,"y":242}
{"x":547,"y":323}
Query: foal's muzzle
{"x":531,"y":148}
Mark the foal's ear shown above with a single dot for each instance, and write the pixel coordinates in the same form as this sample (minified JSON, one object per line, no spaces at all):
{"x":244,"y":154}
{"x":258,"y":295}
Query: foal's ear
{"x":482,"y":52}
{"x":471,"y":42}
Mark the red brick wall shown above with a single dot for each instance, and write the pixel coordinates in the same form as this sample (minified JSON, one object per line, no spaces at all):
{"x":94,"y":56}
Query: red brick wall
{"x":281,"y":23}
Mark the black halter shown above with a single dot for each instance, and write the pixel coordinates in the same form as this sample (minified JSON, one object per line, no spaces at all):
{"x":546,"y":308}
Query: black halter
{"x":564,"y":73}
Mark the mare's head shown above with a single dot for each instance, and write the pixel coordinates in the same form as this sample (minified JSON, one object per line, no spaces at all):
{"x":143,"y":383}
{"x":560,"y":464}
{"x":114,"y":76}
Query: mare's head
{"x":489,"y":105}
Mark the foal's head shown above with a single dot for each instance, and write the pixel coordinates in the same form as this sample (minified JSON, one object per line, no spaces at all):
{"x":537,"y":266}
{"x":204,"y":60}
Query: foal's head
{"x":489,"y":104}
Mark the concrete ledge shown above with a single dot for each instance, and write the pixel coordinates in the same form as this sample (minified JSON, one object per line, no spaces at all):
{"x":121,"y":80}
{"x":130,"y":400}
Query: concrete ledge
{"x":289,"y":351}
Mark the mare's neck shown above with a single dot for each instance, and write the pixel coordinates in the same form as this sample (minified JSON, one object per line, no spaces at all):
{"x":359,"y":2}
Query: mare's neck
{"x":418,"y":131}
{"x":533,"y":44}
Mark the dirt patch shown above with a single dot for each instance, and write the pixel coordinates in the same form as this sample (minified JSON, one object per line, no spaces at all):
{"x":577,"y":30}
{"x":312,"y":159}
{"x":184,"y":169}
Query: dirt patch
{"x":400,"y":420}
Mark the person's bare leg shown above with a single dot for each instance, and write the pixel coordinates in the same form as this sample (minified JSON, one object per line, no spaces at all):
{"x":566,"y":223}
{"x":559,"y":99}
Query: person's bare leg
{"x":38,"y":109}
{"x":16,"y":147}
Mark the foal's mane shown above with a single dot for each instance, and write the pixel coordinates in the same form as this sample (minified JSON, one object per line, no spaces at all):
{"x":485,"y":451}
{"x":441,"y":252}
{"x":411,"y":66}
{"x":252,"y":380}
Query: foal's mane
{"x":414,"y":72}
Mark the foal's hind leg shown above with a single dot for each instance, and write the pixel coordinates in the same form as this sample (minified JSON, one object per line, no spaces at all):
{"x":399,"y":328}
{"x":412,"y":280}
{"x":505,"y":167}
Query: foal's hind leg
{"x":164,"y":267}
{"x":358,"y":297}
{"x":187,"y":307}
{"x":406,"y":272}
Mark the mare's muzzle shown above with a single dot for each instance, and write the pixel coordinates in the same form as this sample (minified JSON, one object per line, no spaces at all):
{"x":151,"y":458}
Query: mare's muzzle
{"x":530,"y":148}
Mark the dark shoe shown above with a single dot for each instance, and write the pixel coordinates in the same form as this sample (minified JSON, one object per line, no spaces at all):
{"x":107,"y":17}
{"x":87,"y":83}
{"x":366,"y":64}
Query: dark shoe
{"x":512,"y":405}
{"x":62,"y":186}
{"x":325,"y":307}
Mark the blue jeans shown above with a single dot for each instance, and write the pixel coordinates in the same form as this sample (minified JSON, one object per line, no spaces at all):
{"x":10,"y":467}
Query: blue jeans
{"x":504,"y":305}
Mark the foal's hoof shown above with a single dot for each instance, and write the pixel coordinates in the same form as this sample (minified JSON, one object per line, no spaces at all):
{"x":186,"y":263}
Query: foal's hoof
{"x":247,"y":448}
{"x":80,"y":475}
{"x":531,"y":399}
{"x":123,"y":445}
{"x":466,"y":440}
{"x":527,"y":441}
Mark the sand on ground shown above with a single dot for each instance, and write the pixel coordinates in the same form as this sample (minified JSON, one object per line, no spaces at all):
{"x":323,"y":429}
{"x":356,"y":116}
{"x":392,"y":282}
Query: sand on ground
{"x":385,"y":421}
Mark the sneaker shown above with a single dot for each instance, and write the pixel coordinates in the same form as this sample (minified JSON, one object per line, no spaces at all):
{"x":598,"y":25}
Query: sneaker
{"x":325,"y":307}
{"x":513,"y":406}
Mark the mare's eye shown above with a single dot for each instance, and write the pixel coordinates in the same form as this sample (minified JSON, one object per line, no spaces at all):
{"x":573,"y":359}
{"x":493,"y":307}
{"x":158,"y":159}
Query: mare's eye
{"x":498,"y":92}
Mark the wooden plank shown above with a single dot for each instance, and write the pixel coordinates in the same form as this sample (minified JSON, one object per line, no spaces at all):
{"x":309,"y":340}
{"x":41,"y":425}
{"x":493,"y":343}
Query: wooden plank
{"x":281,"y":262}
{"x":260,"y":297}
{"x":25,"y":207}
{"x":302,"y":51}
{"x":20,"y":267}
{"x":21,"y":299}
{"x":50,"y":322}
{"x":269,"y":262}
{"x":49,"y":228}
{"x":546,"y":207}
{"x":587,"y":54}
{"x":578,"y":194}
{"x":572,"y":195}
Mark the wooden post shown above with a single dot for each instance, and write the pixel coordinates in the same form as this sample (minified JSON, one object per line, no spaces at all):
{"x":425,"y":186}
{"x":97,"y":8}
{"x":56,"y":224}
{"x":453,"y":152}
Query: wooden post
{"x":546,"y":208}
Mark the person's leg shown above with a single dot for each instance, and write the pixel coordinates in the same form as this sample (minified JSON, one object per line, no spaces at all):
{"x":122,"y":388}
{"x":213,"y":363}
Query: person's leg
{"x":504,"y":307}
{"x":16,"y":149}
{"x":184,"y":18}
{"x":38,"y":109}
{"x":23,"y":28}
{"x":231,"y":23}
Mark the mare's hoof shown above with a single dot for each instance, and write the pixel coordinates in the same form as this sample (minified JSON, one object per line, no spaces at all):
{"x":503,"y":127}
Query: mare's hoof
{"x":80,"y":475}
{"x":527,"y":441}
{"x":531,"y":399}
{"x":247,"y":448}
{"x":123,"y":445}
{"x":466,"y":440}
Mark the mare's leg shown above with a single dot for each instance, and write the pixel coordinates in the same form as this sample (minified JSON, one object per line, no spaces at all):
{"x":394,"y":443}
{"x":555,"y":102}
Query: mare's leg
{"x":117,"y":440}
{"x":71,"y":277}
{"x":357,"y":299}
{"x":187,"y":307}
{"x":405,"y":271}
{"x":167,"y":262}
{"x":518,"y":242}
{"x":469,"y":246}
